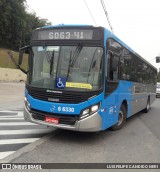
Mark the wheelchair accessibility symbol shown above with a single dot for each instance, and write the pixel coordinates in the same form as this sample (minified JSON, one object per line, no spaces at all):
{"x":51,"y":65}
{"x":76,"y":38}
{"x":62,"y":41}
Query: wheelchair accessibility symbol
{"x":60,"y":82}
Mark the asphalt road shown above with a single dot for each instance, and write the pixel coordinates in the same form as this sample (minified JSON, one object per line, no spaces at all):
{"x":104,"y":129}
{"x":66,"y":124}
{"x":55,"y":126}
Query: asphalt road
{"x":137,"y":142}
{"x":152,"y":119}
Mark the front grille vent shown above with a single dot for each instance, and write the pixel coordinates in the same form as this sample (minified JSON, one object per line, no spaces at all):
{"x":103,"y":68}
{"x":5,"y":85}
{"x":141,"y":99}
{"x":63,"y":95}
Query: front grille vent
{"x":60,"y":97}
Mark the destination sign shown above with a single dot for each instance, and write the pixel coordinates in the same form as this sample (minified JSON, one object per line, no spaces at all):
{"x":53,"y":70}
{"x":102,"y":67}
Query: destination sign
{"x":67,"y":34}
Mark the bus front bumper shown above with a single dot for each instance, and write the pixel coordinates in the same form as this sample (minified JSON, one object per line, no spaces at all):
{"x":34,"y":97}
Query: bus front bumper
{"x":89,"y":124}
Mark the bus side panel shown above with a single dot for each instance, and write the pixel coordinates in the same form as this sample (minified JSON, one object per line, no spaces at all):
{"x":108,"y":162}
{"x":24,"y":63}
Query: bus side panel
{"x":152,"y":97}
{"x":134,"y":94}
{"x":114,"y":101}
{"x":152,"y":92}
{"x":141,"y":94}
{"x":124,"y":93}
{"x":139,"y":97}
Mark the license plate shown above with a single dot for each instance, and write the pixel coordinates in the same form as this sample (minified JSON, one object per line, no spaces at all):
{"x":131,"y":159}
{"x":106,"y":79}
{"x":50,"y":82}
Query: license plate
{"x":52,"y":120}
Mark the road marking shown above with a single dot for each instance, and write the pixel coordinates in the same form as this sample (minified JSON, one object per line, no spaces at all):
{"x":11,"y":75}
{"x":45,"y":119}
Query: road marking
{"x":30,"y":131}
{"x":16,"y":141}
{"x":16,"y":123}
{"x":10,"y":111}
{"x":16,"y":119}
{"x":5,"y":154}
{"x":19,"y":114}
{"x":10,"y":119}
{"x":15,"y":116}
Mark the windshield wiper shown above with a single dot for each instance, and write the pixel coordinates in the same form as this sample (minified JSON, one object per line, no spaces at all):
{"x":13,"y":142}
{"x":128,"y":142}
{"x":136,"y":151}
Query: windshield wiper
{"x":93,"y":62}
{"x":52,"y":63}
{"x":76,"y":54}
{"x":46,"y":53}
{"x":73,"y":58}
{"x":69,"y":66}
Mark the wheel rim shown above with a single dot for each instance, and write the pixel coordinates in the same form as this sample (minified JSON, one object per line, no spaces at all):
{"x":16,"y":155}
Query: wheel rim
{"x":120,"y":118}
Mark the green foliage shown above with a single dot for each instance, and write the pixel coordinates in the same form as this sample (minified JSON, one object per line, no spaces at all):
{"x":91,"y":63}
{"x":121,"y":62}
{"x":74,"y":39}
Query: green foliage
{"x":16,"y":24}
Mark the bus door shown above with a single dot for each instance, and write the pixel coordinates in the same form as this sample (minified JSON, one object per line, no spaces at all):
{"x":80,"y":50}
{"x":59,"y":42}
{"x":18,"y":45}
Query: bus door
{"x":111,"y":85}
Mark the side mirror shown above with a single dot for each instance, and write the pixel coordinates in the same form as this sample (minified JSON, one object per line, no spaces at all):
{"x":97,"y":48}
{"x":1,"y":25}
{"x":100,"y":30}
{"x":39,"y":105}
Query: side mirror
{"x":114,"y":64}
{"x":21,"y":52}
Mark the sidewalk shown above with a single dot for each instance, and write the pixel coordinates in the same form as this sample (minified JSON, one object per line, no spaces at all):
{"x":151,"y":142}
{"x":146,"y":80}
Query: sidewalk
{"x":11,"y":95}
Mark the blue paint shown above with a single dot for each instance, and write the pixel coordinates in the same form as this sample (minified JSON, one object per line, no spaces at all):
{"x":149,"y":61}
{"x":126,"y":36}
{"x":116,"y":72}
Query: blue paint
{"x":109,"y":106}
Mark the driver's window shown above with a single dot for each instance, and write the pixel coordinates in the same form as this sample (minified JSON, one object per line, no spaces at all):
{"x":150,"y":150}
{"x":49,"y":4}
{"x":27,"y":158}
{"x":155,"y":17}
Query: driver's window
{"x":115,"y":71}
{"x":112,"y":68}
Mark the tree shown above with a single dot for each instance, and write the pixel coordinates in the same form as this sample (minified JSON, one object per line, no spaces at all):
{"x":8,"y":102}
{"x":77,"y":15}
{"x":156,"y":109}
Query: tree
{"x":16,"y":24}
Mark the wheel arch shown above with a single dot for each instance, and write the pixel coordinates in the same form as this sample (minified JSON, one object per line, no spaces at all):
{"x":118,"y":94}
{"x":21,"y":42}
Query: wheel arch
{"x":125,"y":103}
{"x":121,"y":117}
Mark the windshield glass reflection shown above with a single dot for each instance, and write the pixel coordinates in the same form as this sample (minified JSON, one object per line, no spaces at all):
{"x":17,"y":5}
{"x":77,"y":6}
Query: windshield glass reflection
{"x":66,"y":67}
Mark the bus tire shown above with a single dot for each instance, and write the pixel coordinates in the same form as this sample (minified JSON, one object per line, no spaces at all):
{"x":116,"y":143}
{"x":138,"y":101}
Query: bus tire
{"x":121,"y":118}
{"x":147,"y":106}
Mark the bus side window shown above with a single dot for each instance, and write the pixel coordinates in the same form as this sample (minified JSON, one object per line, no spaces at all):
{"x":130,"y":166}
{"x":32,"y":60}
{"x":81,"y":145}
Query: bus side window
{"x":113,"y":67}
{"x":108,"y":74}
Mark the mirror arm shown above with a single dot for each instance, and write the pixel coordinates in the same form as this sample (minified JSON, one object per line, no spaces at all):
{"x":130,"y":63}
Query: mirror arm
{"x":11,"y":57}
{"x":25,"y":47}
{"x":13,"y":60}
{"x":22,"y":69}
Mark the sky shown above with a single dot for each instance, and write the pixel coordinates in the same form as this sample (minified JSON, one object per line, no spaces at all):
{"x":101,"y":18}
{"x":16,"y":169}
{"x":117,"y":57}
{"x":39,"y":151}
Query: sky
{"x":135,"y":22}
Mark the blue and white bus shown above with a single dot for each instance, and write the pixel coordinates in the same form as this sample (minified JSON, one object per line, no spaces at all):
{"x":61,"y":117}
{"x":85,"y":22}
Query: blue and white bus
{"x":84,"y":78}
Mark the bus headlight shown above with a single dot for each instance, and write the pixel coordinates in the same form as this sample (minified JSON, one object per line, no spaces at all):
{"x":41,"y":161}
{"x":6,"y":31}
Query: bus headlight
{"x":89,"y":111}
{"x":94,"y":108}
{"x":27,"y":104}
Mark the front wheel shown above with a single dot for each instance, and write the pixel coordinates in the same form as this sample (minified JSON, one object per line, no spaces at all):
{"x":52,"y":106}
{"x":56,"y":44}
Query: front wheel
{"x":121,"y":118}
{"x":147,"y":106}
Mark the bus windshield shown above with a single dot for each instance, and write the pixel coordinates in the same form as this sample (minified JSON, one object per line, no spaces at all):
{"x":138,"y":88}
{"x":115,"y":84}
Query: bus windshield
{"x":76,"y":68}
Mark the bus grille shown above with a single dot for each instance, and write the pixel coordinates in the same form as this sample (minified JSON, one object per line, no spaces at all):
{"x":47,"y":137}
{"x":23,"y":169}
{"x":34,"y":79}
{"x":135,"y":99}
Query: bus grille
{"x":64,"y":97}
{"x":63,"y":119}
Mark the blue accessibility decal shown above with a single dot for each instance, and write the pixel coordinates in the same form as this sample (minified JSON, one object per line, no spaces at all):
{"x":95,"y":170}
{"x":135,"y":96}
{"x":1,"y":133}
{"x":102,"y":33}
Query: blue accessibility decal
{"x":60,"y":82}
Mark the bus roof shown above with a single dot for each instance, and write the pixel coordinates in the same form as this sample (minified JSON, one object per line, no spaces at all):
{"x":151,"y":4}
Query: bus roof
{"x":109,"y":35}
{"x":68,"y":25}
